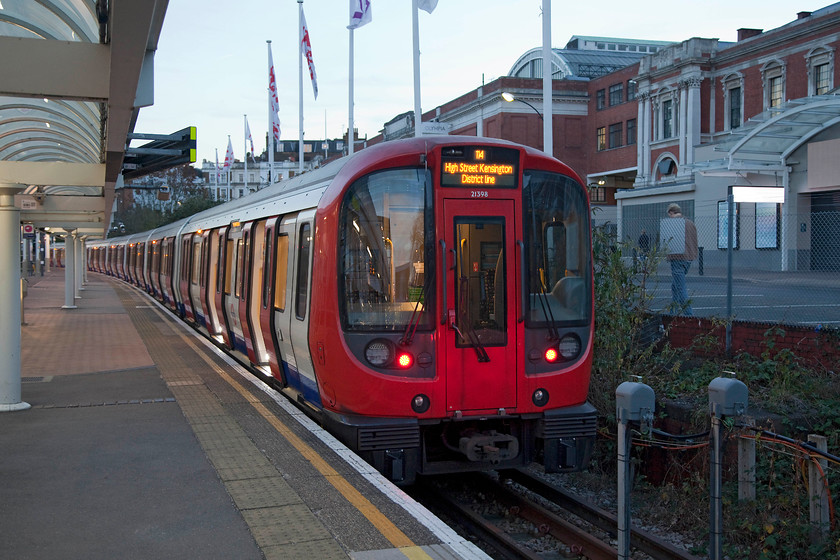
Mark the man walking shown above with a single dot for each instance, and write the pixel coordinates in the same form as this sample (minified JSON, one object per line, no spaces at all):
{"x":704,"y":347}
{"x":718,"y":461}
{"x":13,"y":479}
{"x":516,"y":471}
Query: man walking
{"x":682,"y":249}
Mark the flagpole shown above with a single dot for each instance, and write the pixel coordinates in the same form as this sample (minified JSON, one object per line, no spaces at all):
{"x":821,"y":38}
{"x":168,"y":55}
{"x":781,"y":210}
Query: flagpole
{"x":548,"y":133}
{"x":270,"y":122}
{"x":350,"y":136}
{"x":415,"y":32}
{"x":228,"y":171}
{"x":245,"y":149}
{"x":300,"y":85}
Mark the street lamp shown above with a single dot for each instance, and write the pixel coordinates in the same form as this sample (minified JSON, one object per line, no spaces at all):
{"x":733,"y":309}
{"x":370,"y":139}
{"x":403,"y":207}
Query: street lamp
{"x":509,"y":97}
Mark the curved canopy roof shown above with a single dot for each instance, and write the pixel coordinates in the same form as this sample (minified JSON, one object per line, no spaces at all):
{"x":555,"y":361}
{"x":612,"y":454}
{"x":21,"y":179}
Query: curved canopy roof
{"x":766,"y":140}
{"x":75,"y":74}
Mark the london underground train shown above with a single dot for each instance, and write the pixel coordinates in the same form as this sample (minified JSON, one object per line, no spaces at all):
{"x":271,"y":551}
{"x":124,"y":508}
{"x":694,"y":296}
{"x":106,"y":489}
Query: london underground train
{"x":429,"y":301}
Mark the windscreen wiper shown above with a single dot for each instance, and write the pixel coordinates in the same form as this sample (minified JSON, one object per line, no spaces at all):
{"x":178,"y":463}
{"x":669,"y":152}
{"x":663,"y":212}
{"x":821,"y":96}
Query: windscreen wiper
{"x":471,"y":335}
{"x":546,"y":308}
{"x":411,"y":328}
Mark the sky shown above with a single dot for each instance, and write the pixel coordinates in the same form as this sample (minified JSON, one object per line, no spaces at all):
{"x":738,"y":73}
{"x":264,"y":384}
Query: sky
{"x":211,"y":67}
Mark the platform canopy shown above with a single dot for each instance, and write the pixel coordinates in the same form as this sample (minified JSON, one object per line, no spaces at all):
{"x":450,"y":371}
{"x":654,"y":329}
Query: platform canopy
{"x":73,"y":77}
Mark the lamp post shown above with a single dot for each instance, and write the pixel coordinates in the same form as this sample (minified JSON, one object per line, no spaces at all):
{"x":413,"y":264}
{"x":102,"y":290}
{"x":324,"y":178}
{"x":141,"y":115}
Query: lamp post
{"x":510,"y":98}
{"x":547,"y":141}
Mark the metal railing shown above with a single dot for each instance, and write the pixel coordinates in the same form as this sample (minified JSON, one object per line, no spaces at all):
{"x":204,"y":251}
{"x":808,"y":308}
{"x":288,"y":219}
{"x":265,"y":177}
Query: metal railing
{"x":782,"y":270}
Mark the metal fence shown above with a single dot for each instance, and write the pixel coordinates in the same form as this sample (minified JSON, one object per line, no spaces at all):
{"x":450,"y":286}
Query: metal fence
{"x":784,"y":269}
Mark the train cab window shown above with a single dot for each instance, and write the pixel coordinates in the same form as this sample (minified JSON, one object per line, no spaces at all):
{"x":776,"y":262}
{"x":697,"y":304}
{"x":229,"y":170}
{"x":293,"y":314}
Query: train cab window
{"x":556,"y":223}
{"x":386,"y":251}
{"x":280,"y":278}
{"x":479,"y":288}
{"x":304,"y":245}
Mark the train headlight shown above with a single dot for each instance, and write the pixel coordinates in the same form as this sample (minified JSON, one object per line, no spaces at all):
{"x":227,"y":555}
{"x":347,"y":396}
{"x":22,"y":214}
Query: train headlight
{"x":420,"y":403}
{"x":540,"y":397}
{"x":379,"y":353}
{"x":551,"y":355}
{"x":569,"y":346}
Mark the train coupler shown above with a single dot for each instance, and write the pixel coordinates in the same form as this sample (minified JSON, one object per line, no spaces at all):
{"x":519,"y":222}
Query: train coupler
{"x":489,"y":446}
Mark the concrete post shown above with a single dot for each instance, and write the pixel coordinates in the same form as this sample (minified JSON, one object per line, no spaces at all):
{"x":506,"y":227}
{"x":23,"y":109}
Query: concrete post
{"x":79,"y":268}
{"x":10,"y":335}
{"x":69,"y":271}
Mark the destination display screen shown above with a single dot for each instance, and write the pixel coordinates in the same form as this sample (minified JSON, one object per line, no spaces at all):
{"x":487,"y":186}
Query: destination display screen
{"x":479,"y":167}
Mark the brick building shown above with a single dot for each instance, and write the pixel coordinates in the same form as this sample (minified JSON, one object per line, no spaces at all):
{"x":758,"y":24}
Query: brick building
{"x":650,"y":123}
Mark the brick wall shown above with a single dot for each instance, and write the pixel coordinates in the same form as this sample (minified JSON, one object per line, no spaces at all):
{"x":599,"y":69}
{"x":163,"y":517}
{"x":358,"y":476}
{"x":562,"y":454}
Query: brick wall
{"x":818,"y":347}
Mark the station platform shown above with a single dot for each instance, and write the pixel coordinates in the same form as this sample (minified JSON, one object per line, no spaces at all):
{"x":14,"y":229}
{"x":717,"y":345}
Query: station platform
{"x":145,"y":441}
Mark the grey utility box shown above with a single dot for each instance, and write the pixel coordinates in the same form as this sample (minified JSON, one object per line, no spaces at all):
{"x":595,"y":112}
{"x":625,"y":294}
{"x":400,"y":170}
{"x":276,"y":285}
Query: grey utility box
{"x":633,"y":401}
{"x":727,"y":397}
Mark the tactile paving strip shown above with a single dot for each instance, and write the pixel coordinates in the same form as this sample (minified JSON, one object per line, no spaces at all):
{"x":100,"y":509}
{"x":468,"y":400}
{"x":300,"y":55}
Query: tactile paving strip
{"x":280,"y":522}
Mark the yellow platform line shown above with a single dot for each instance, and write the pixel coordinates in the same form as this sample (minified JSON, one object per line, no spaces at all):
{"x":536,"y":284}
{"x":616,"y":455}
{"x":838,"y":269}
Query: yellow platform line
{"x":384,"y":525}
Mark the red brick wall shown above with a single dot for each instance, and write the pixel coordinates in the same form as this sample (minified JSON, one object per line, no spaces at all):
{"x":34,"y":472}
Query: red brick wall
{"x":818,"y":347}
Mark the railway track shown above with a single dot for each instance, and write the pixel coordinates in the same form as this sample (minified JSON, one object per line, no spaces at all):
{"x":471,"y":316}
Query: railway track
{"x":512,"y":525}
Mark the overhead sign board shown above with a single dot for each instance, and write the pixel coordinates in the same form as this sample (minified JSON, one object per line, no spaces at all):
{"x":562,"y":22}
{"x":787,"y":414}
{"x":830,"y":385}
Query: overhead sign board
{"x":758,"y":194}
{"x":162,"y":152}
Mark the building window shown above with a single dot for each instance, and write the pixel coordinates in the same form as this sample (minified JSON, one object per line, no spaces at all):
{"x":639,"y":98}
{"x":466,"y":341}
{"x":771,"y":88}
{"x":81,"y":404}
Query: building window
{"x":602,"y":138}
{"x":631,"y":132}
{"x":820,"y":62}
{"x":667,"y":118}
{"x":773,"y":77}
{"x":766,"y":225}
{"x":616,"y":94}
{"x":600,"y":99}
{"x":597,"y":194}
{"x":734,"y":107}
{"x":615,"y":135}
{"x":631,"y":90}
{"x":822,"y":79}
{"x":775,"y":91}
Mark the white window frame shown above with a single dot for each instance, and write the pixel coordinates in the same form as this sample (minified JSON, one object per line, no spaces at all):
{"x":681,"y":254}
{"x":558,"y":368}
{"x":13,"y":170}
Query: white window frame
{"x":817,"y":57}
{"x":769,"y":70}
{"x":728,"y":83}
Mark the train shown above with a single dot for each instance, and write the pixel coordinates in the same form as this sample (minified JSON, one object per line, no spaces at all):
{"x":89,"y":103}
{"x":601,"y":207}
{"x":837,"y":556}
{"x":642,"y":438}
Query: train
{"x":428,"y":300}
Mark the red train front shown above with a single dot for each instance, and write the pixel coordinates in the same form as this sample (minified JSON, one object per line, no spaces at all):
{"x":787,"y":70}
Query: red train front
{"x":451,"y":317}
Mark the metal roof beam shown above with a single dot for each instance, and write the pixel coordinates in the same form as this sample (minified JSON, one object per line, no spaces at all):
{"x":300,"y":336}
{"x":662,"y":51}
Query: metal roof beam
{"x":52,"y":173}
{"x":66,"y":69}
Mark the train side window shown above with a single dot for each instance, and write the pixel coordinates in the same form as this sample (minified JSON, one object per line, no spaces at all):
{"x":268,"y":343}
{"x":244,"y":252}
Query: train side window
{"x":280,"y":278}
{"x":228,"y":265}
{"x":241,"y":249}
{"x":266,"y":271}
{"x":304,"y":243}
{"x":197,"y":257}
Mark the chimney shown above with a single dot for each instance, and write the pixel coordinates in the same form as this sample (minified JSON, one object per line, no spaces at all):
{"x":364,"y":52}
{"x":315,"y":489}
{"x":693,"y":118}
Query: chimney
{"x":803,"y":15}
{"x":746,"y":33}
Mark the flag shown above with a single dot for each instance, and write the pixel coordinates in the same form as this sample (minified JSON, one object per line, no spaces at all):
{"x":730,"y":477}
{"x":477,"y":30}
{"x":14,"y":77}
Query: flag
{"x":275,"y":126}
{"x":273,"y":102}
{"x":218,"y":173}
{"x":359,"y":13}
{"x":427,"y":5}
{"x":228,"y":156}
{"x":248,"y":136}
{"x":306,"y":49}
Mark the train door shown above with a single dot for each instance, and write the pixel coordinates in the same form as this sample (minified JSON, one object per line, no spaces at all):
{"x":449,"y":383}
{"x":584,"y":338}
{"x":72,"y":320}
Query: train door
{"x":210,"y":271}
{"x":224,"y":252}
{"x":182,"y":285}
{"x":273,"y":293}
{"x":234,"y":268}
{"x":283,"y":300}
{"x":480,"y":339}
{"x":195,"y":278}
{"x":253,"y":235}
